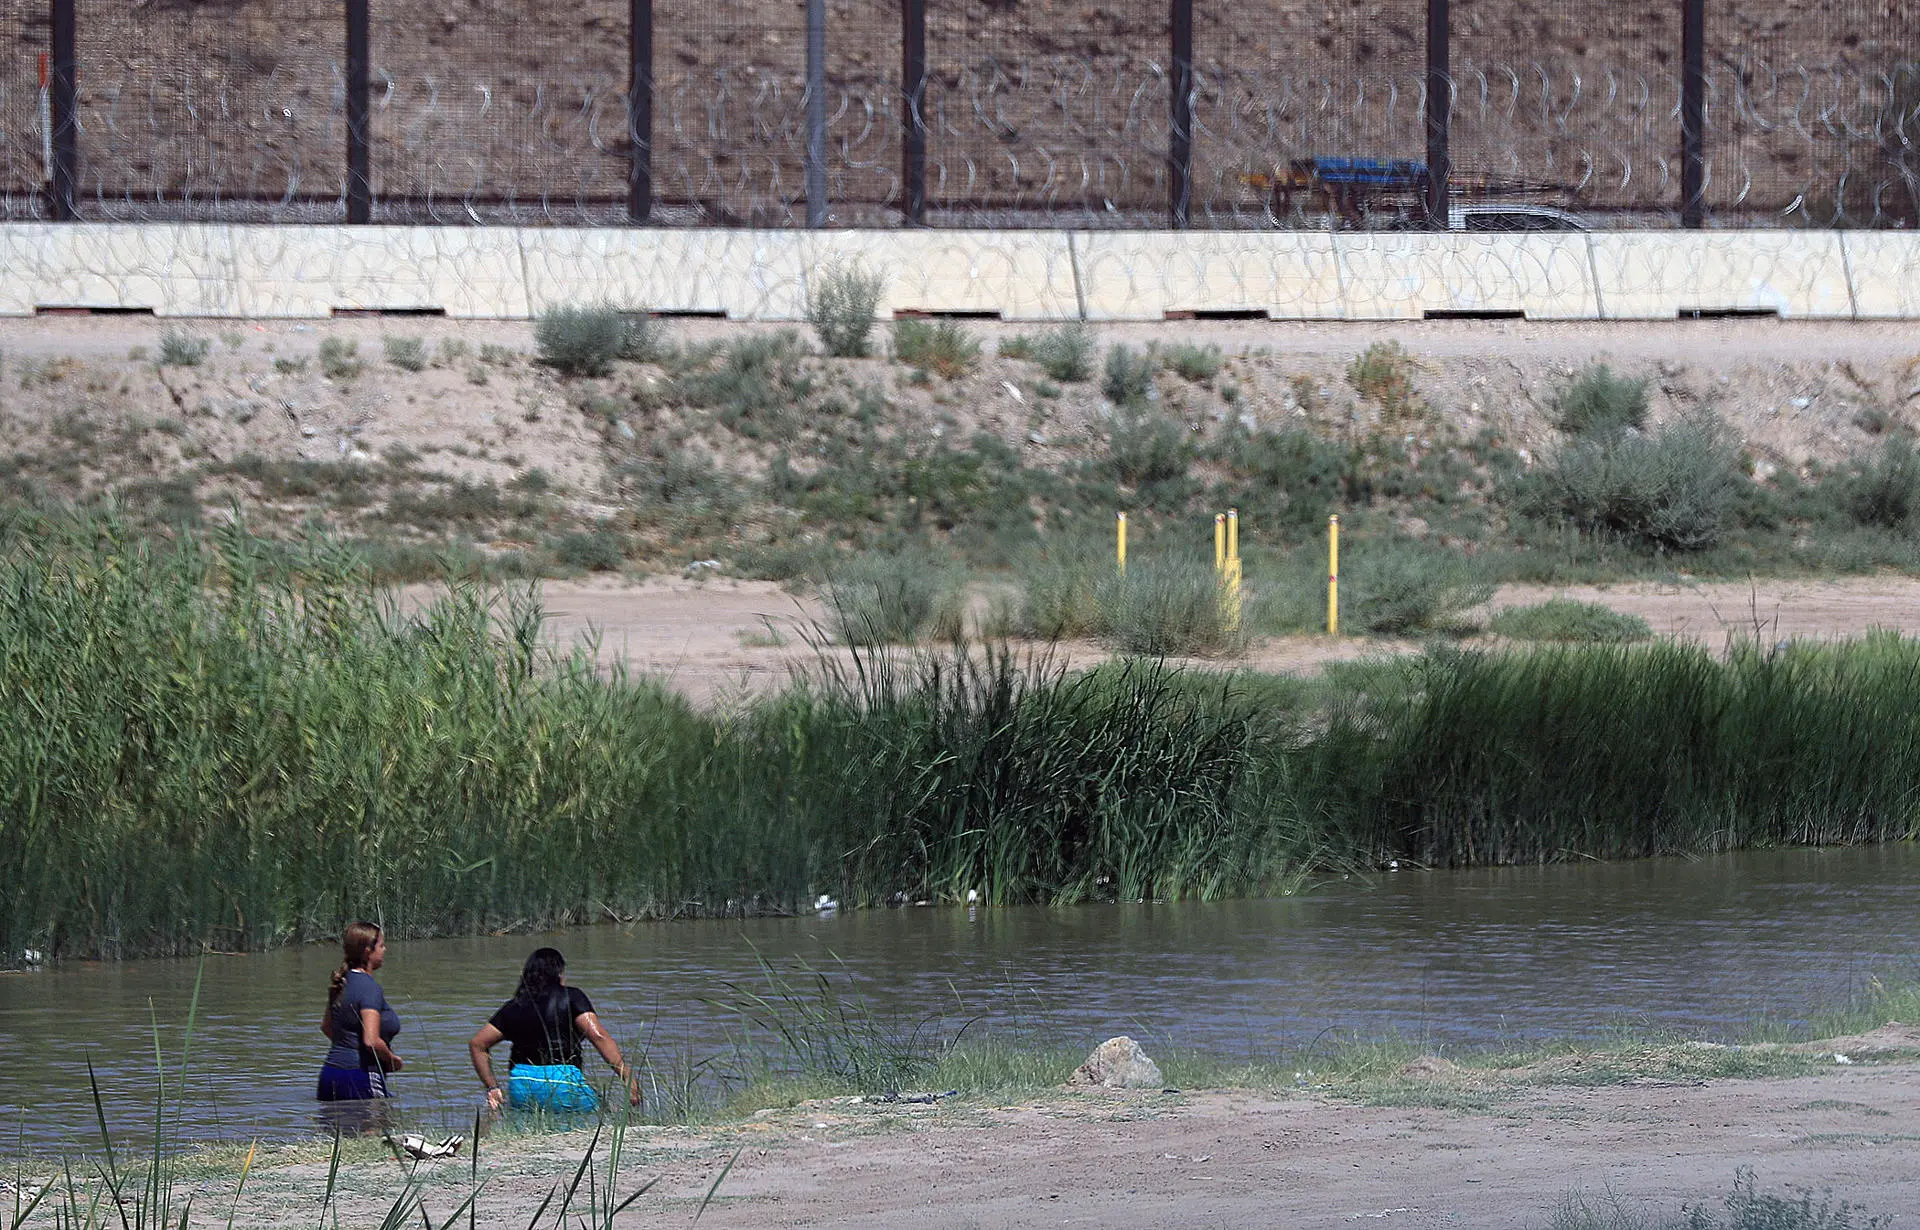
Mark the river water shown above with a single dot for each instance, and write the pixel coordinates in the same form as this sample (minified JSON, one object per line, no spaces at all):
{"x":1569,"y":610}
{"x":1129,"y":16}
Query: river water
{"x":1460,"y":958}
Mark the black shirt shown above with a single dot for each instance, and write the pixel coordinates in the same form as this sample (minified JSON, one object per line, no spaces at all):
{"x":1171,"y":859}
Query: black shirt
{"x":537,"y":1038}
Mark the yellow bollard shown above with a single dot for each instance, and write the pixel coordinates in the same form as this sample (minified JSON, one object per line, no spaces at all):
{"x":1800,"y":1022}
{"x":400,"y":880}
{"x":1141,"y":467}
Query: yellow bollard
{"x":1233,"y":569}
{"x":1333,"y":576}
{"x":1220,"y":544}
{"x":1120,"y":542}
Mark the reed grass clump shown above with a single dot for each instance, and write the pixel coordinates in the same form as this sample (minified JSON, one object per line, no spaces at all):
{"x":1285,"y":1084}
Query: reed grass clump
{"x":895,"y":600}
{"x":842,"y":305}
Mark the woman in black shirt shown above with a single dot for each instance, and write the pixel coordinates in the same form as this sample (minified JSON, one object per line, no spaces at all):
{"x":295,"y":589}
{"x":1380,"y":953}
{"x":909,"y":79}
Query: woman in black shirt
{"x":545,"y":1021}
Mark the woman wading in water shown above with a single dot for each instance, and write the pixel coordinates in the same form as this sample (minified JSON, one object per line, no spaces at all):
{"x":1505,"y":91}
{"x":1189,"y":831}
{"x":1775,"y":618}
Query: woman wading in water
{"x":358,"y":1022}
{"x":545,"y":1020}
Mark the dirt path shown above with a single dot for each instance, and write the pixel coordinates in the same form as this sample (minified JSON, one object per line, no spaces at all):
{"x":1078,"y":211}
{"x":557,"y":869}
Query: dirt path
{"x":713,"y":640}
{"x":1224,"y":1159}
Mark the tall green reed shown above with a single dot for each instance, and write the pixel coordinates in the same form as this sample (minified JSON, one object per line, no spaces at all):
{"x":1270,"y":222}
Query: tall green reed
{"x":222,"y":740}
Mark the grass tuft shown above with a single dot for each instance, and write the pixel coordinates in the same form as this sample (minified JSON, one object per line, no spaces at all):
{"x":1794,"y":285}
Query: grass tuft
{"x":1598,"y":403}
{"x":1563,"y":619}
{"x":179,"y":348}
{"x":943,"y":347}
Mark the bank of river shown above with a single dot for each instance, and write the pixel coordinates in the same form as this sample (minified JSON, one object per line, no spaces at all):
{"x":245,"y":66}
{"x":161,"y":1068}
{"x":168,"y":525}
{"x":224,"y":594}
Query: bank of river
{"x":1455,"y":959}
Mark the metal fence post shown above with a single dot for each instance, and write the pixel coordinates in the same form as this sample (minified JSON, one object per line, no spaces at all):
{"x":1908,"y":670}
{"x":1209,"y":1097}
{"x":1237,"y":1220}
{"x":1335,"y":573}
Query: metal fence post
{"x":1180,"y":127}
{"x":359,"y":127}
{"x":640,"y":111}
{"x":63,"y":110}
{"x":816,"y":114}
{"x":913,"y":124}
{"x":1693,"y":113}
{"x":1439,"y":113}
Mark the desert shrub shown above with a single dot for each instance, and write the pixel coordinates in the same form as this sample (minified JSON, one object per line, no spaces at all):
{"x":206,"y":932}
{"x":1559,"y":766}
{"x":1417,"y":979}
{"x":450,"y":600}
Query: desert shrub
{"x":409,"y":354}
{"x":1160,"y":606}
{"x":586,"y":339}
{"x":1288,"y":480}
{"x":1129,"y":375}
{"x":594,"y":551}
{"x":1166,"y":606}
{"x":179,"y":348}
{"x":755,"y":386}
{"x":1147,"y":447}
{"x":1597,"y":402}
{"x":1065,"y":354}
{"x":1198,"y":364}
{"x":1670,"y":491}
{"x":842,"y":306}
{"x":1059,"y":594}
{"x":1383,"y":374}
{"x":894,"y":599}
{"x":1884,"y":489}
{"x":943,"y":347}
{"x":1395,"y":589}
{"x":1563,"y":619}
{"x":340,"y":358}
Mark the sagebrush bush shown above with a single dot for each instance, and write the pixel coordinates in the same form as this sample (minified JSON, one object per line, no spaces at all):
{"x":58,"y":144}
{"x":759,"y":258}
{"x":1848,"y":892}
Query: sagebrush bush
{"x":1158,"y":607}
{"x":1884,"y":489}
{"x":593,"y":551}
{"x":1391,"y":589}
{"x":1597,"y":402}
{"x":1163,"y":607}
{"x":179,"y":348}
{"x":1147,"y":447}
{"x":1383,"y":374}
{"x":842,"y":305}
{"x":1563,"y":619}
{"x":340,"y":358}
{"x":409,"y":354}
{"x":1129,"y":375}
{"x":1198,"y":364}
{"x":578,"y":339}
{"x":882,"y":599}
{"x":1065,"y":354}
{"x":1669,"y":491}
{"x":943,"y":347}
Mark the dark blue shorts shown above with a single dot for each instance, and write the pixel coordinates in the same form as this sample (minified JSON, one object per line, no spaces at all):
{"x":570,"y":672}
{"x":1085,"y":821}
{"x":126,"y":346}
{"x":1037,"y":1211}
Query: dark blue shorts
{"x":350,"y":1084}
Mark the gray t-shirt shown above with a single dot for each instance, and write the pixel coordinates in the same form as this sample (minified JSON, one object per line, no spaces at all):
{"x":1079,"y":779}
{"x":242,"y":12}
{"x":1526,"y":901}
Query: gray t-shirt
{"x":360,"y":991}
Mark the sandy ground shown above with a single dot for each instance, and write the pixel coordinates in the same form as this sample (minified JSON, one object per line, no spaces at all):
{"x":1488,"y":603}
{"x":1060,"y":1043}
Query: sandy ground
{"x":1215,"y":1159}
{"x":711,"y":639}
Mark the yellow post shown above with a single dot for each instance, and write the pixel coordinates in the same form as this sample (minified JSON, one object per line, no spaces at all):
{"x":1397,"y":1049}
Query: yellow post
{"x":1120,"y":542}
{"x":1333,"y":576}
{"x":1220,"y":544}
{"x":1233,"y":569}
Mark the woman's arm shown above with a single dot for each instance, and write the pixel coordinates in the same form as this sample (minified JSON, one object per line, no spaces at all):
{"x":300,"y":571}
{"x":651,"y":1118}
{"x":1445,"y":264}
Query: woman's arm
{"x":480,"y":1051}
{"x":371,"y":1039}
{"x":326,"y":1022}
{"x":590,"y":1028}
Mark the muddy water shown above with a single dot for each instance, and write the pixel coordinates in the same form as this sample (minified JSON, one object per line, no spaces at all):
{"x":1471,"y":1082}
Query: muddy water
{"x":1459,"y":957}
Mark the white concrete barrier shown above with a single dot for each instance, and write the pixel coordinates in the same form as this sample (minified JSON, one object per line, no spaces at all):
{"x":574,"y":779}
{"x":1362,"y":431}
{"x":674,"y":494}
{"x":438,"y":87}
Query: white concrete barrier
{"x":1147,"y":275}
{"x":1884,"y":270}
{"x":1408,"y":275}
{"x":1651,"y":275}
{"x":510,"y":273}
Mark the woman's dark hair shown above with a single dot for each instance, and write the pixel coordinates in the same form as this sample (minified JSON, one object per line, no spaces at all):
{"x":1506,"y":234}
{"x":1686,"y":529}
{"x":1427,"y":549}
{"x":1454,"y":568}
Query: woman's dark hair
{"x":357,"y":943}
{"x":540,"y":989}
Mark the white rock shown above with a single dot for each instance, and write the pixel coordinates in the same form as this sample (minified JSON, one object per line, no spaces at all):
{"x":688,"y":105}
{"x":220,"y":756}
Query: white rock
{"x":1119,"y":1063}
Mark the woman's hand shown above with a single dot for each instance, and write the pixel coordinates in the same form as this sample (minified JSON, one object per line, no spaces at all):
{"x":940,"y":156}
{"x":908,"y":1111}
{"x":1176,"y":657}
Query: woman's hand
{"x":496,"y":1098}
{"x":392,"y":1062}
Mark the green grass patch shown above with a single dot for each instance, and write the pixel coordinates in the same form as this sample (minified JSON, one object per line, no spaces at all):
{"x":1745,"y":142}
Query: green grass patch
{"x":943,"y":347}
{"x":1563,"y":619}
